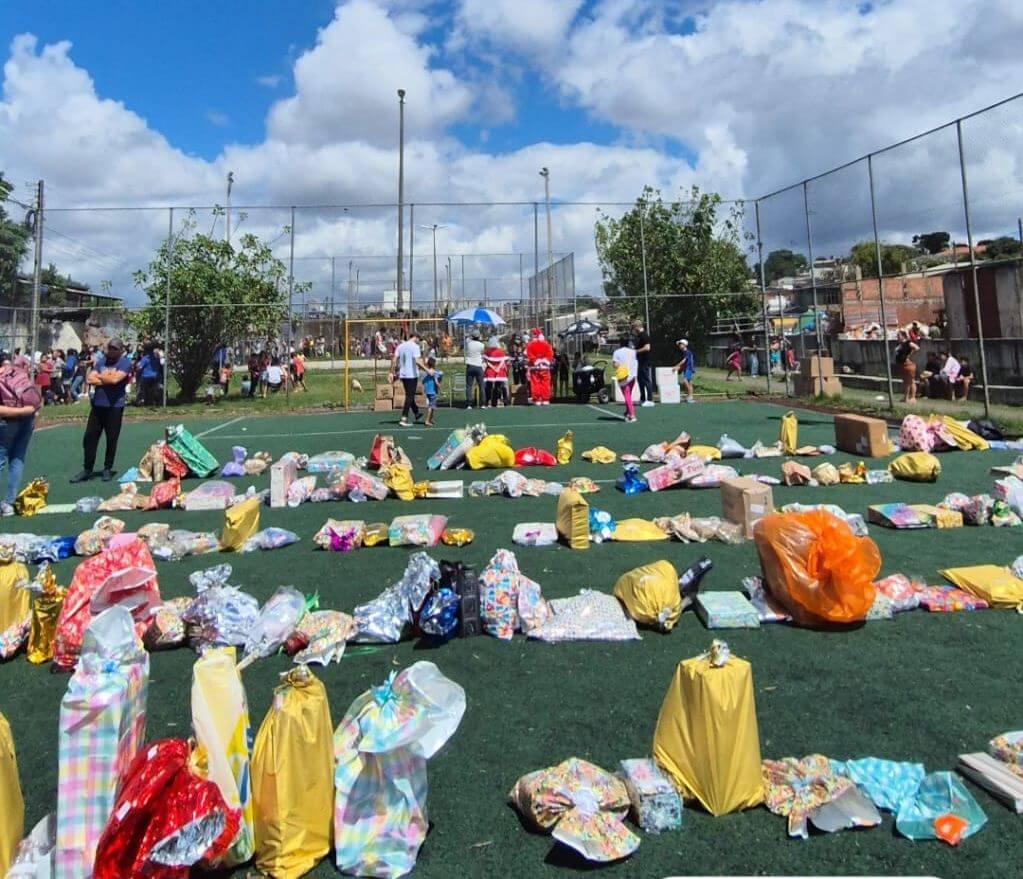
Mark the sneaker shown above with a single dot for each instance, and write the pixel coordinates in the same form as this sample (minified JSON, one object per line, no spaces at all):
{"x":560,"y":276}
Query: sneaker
{"x":690,"y":400}
{"x":82,"y":476}
{"x":468,"y":408}
{"x":6,"y":509}
{"x":646,"y":404}
{"x":108,"y":474}
{"x":403,"y":423}
{"x":630,"y":418}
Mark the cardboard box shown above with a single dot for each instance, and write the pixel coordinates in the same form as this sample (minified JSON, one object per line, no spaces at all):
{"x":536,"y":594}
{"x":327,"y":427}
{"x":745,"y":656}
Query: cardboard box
{"x":862,"y":436}
{"x":382,"y":405}
{"x":811,"y":366}
{"x":817,"y":387}
{"x":282,"y":474}
{"x":384,"y":392}
{"x":745,"y":501}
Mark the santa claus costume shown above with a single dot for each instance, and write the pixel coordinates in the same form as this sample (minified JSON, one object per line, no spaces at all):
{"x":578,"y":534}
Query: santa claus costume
{"x":539,"y":360}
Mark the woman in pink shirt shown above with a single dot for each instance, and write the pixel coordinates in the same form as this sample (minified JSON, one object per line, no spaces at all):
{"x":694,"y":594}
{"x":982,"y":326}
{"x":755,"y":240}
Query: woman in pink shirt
{"x":495,"y":372}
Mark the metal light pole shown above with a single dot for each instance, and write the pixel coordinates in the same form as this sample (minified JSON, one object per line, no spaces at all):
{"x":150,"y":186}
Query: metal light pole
{"x":534,"y":309}
{"x":167,"y":304}
{"x":546,"y":174}
{"x":763,"y":301}
{"x":333,"y":280}
{"x":880,"y":286}
{"x":973,"y":270}
{"x":433,"y":227}
{"x":401,"y":197}
{"x":642,"y":253}
{"x":449,"y":283}
{"x":813,"y":287}
{"x":411,"y":253}
{"x":291,"y":304}
{"x":37,"y":274}
{"x":348,"y":310}
{"x":230,"y":183}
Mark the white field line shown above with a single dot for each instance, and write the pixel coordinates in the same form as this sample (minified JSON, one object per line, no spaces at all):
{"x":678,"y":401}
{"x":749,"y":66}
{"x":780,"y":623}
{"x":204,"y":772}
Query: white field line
{"x":219,"y":426}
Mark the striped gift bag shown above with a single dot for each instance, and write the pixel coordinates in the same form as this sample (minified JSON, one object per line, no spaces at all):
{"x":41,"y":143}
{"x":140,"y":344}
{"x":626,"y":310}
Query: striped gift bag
{"x":102,"y":725}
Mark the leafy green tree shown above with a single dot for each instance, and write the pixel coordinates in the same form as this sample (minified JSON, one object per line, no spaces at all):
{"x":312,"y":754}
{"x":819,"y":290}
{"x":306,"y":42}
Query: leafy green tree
{"x":893,"y":257}
{"x":694,"y":262}
{"x":57,"y":285}
{"x":219,"y":293}
{"x":932,"y":242}
{"x":14,"y":238}
{"x":782,"y":264}
{"x":1002,"y":247}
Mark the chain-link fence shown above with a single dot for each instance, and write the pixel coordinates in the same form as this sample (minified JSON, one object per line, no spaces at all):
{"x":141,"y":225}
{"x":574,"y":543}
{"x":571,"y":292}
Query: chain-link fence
{"x":922,"y":237}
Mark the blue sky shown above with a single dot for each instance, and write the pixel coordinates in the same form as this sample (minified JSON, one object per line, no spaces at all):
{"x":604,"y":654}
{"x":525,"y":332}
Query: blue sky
{"x":202,"y":72}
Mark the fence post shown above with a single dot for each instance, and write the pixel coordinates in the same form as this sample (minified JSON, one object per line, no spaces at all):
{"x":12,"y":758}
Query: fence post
{"x":332,"y":338}
{"x":880,"y":288}
{"x":167,"y":303}
{"x":291,"y":301}
{"x":412,"y":252}
{"x":973,"y":271}
{"x":813,"y":287}
{"x":37,"y":274}
{"x":642,"y":255}
{"x":763,"y":301}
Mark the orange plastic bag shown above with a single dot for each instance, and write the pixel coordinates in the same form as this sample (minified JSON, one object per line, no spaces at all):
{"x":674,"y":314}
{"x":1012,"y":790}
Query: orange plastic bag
{"x":816,"y":567}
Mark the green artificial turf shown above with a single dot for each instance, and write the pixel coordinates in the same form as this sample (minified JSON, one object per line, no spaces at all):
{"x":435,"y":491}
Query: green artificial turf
{"x":924,"y":687}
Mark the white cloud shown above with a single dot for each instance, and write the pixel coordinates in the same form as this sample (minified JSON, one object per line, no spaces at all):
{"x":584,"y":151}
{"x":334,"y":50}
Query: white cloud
{"x":346,"y":85}
{"x":529,"y":26}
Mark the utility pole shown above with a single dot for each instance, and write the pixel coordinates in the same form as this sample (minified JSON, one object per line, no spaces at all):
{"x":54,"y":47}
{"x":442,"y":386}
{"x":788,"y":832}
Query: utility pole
{"x":401,"y":196}
{"x":411,"y":253}
{"x":37,"y":275}
{"x":1019,"y":225}
{"x":230,"y":183}
{"x":433,"y":227}
{"x":534,"y":294}
{"x":449,"y":283}
{"x":348,"y":310}
{"x":546,"y":174}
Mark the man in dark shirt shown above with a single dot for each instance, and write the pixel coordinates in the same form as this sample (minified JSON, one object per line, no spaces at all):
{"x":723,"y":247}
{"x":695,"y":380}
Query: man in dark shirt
{"x":109,"y":376}
{"x":644,"y":372}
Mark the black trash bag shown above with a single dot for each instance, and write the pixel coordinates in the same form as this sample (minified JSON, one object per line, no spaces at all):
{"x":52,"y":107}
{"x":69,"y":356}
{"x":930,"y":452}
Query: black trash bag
{"x":986,"y":429}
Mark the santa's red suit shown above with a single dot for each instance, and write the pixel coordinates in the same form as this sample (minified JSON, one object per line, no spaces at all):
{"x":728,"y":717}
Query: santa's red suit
{"x":539,"y":360}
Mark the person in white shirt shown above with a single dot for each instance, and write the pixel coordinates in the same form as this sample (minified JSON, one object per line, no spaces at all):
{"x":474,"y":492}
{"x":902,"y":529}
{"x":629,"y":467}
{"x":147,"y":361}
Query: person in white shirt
{"x":474,"y":369}
{"x":405,"y":365}
{"x":626,"y":368}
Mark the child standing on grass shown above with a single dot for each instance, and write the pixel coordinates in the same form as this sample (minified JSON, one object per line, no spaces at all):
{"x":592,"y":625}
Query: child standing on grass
{"x":431,"y":386}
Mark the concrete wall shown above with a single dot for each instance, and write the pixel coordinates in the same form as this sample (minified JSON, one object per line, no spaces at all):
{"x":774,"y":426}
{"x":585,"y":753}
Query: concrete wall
{"x":907,"y":298}
{"x":1004,"y":356}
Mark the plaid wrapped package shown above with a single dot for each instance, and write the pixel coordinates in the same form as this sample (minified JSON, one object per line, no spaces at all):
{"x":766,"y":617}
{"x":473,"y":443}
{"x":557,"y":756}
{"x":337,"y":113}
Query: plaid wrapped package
{"x":102,"y":725}
{"x":656,"y":804}
{"x":381,"y":748}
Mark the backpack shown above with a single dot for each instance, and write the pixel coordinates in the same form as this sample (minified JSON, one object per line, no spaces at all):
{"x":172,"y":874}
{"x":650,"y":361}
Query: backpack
{"x":17,"y":388}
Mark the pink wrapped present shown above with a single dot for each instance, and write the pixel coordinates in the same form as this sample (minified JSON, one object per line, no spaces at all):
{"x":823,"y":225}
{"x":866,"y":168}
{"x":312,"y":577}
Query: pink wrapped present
{"x":420,"y":530}
{"x":370,"y":485}
{"x":102,"y":725}
{"x":914,"y":435}
{"x":122,"y":575}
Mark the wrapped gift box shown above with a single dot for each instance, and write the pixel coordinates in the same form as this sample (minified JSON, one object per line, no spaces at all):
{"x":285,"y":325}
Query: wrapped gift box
{"x":656,"y":804}
{"x":726,"y":610}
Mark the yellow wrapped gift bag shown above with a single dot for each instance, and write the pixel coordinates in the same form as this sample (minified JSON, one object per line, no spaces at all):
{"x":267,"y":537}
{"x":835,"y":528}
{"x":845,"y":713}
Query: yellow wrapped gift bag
{"x":573,"y":519}
{"x":965,"y":438}
{"x":650,"y":595}
{"x":563,"y":448}
{"x":240,"y":522}
{"x":12,"y":807}
{"x":789,"y":433}
{"x":398,"y":478}
{"x":220,"y":719}
{"x":706,"y":737}
{"x":293,"y":778}
{"x":637,"y":530}
{"x":490,"y":453}
{"x":916,"y":467}
{"x":998,"y":586}
{"x":708,"y":453}
{"x":32,"y":498}
{"x":45,"y":612}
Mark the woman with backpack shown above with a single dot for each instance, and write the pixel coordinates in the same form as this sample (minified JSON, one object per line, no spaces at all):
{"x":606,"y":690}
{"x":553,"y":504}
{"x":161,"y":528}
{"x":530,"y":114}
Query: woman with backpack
{"x":19,"y":402}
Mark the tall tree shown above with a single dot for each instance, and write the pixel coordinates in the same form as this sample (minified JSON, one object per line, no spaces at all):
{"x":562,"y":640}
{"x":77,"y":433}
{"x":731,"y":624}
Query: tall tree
{"x":14,"y":238}
{"x":695,"y":265}
{"x":218,"y":294}
{"x":1002,"y":247}
{"x":932,"y":242}
{"x":783,"y":264}
{"x":893,"y":258}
